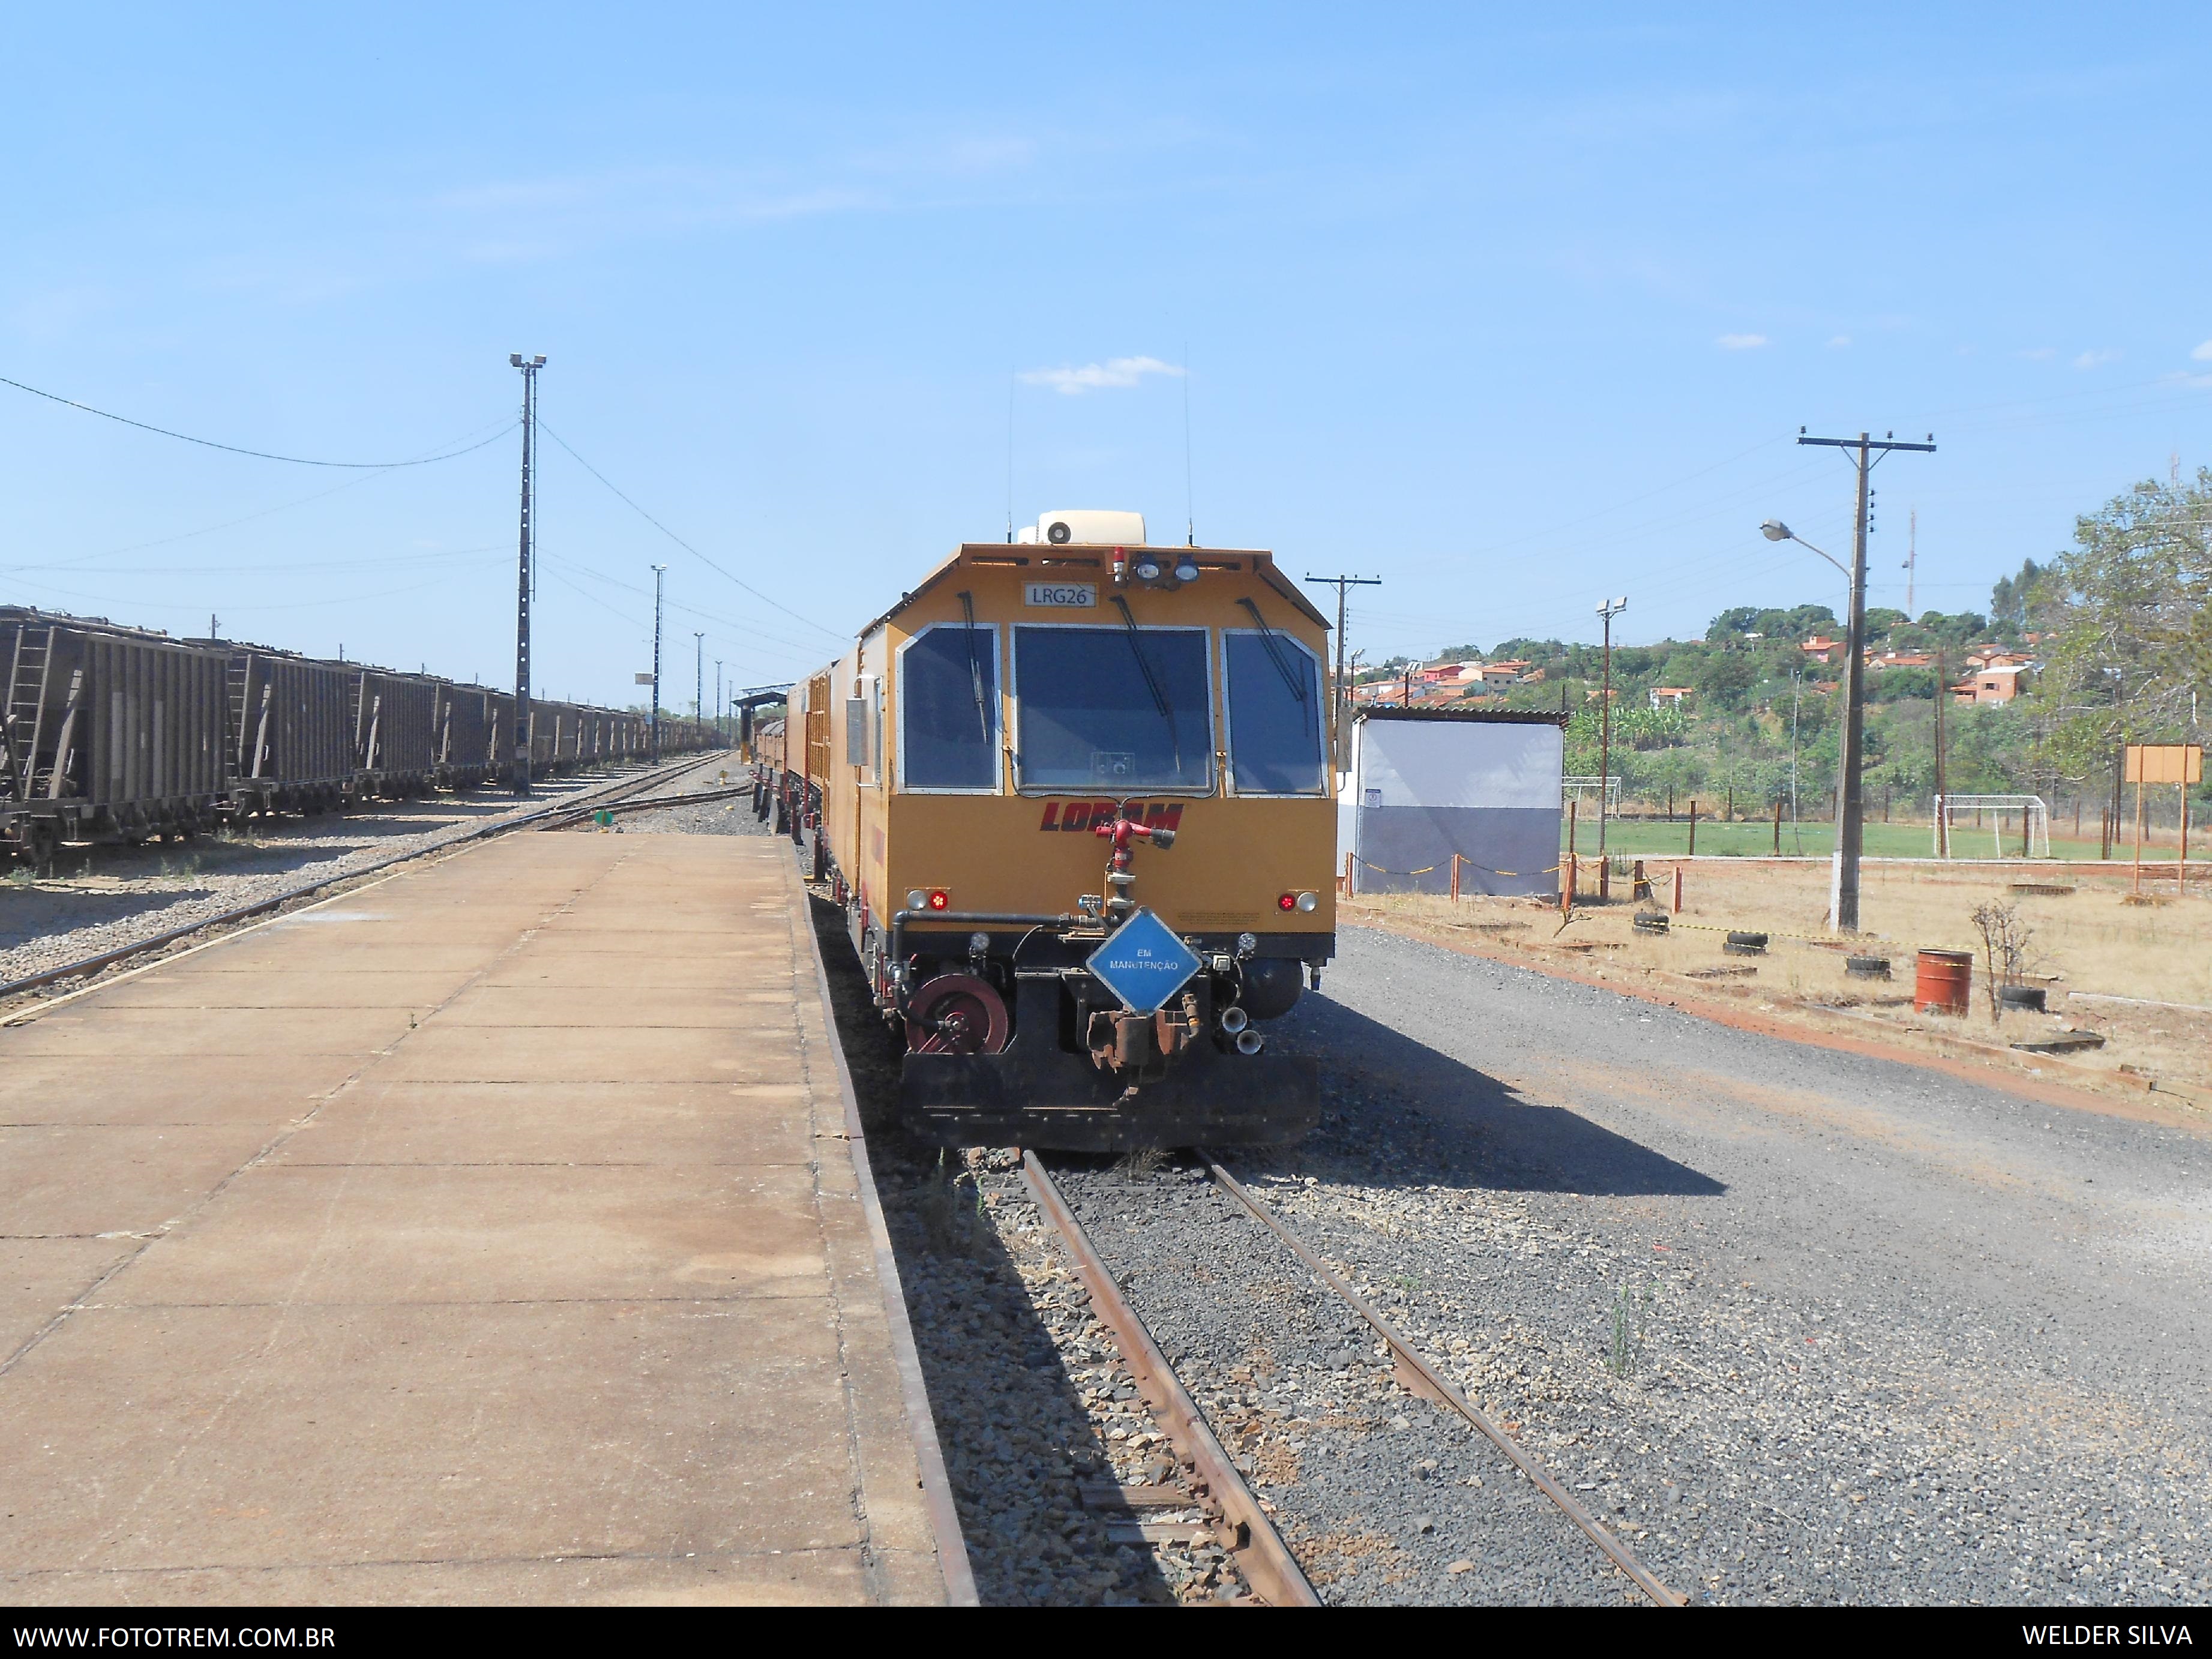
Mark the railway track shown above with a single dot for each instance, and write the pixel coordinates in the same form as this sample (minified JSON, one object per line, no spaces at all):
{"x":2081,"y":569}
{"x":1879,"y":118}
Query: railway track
{"x":632,"y":791}
{"x":1341,"y":1474}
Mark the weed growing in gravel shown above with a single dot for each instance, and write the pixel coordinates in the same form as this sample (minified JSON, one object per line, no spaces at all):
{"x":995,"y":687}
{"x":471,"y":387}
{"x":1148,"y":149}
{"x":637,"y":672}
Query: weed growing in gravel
{"x":1630,"y":1309}
{"x":950,"y":1227}
{"x":20,"y":876}
{"x":1139,"y":1163}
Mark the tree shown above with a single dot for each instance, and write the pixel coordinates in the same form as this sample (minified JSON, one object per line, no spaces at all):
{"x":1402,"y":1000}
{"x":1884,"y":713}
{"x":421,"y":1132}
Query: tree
{"x":2129,"y":608}
{"x":1880,"y":619}
{"x":2009,"y":600}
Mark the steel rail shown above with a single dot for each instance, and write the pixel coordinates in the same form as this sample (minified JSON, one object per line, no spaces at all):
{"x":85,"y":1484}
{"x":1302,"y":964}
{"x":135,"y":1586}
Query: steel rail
{"x":86,"y":966}
{"x":569,"y":813}
{"x":1432,"y":1380}
{"x":1261,"y":1556}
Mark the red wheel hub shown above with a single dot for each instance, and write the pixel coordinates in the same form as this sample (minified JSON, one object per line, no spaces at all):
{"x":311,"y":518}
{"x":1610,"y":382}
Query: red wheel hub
{"x":958,"y":1014}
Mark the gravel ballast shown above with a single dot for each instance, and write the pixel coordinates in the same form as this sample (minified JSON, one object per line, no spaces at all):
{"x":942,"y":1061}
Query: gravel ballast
{"x":1383,"y":1497}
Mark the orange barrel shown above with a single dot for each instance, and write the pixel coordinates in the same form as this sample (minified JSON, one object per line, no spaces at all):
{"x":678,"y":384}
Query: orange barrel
{"x":1942,"y":980}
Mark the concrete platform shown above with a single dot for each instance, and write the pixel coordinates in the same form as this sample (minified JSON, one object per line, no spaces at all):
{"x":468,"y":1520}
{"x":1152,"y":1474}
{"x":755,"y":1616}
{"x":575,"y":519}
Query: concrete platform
{"x":498,"y":1233}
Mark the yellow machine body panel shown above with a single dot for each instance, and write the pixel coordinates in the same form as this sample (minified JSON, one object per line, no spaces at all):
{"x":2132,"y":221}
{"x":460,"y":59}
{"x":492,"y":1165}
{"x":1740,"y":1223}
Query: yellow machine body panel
{"x":1022,"y":842}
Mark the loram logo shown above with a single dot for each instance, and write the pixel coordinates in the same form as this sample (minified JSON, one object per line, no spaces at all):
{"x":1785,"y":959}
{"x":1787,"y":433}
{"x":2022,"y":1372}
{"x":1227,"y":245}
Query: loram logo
{"x":1081,"y":814}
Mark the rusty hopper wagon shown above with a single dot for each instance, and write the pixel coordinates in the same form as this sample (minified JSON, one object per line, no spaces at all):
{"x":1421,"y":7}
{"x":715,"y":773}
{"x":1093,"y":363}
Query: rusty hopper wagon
{"x":111,"y":734}
{"x":287,"y":737}
{"x":394,"y":733}
{"x":1074,"y":794}
{"x":466,"y":751}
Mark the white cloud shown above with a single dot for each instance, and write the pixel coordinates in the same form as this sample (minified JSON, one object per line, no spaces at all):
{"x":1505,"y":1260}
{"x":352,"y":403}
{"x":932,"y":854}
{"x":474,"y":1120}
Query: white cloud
{"x":1741,"y":341}
{"x":2091,"y":359}
{"x":2203,"y":353}
{"x":1114,"y":373}
{"x":1841,"y":341}
{"x":2039,"y":353}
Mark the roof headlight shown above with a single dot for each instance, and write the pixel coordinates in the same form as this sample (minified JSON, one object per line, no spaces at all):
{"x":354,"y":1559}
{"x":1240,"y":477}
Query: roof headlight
{"x":1186,"y":568}
{"x":1146,"y":568}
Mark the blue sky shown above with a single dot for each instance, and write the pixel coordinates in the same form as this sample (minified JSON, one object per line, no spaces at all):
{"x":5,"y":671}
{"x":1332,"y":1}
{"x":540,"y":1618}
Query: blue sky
{"x":1513,"y":315}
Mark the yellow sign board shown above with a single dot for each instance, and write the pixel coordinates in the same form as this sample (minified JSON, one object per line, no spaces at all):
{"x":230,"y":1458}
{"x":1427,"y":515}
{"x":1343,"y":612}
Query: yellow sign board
{"x":2165,"y":763}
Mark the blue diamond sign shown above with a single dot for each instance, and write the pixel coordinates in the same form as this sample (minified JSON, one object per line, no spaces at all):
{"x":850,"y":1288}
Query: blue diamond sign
{"x":1144,"y":963}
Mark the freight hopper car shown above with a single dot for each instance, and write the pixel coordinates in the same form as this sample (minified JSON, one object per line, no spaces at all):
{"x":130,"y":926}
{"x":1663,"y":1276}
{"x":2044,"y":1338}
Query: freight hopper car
{"x":287,"y":737}
{"x":395,"y":731}
{"x":1074,"y":794}
{"x":111,"y":734}
{"x":466,"y":740}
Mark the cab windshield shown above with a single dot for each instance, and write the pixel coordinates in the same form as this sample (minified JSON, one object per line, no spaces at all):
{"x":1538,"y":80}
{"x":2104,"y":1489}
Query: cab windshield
{"x":1112,"y":708}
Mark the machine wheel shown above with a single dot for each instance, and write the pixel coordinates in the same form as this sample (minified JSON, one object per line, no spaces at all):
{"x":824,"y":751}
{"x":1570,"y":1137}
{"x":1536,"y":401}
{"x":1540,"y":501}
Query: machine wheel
{"x":958,"y":1014}
{"x":42,"y":839}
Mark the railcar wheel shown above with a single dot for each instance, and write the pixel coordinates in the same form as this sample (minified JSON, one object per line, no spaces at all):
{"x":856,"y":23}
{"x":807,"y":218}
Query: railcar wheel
{"x":958,"y":1014}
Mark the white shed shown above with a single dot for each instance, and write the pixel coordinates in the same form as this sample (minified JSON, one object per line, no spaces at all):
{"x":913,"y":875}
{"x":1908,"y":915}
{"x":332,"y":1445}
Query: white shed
{"x":1423,"y":784}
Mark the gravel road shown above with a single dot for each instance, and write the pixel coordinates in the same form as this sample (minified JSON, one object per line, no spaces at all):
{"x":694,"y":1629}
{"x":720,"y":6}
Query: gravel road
{"x":111,"y":897}
{"x":1804,"y":1327}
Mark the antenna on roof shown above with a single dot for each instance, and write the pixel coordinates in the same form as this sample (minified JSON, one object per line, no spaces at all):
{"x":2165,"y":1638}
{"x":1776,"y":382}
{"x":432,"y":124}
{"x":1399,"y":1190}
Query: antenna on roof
{"x":1011,"y":380}
{"x":1190,"y":511}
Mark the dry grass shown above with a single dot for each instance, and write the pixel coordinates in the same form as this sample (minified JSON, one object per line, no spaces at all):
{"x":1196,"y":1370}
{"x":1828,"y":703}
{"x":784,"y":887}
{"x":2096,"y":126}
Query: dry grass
{"x":2088,"y":941}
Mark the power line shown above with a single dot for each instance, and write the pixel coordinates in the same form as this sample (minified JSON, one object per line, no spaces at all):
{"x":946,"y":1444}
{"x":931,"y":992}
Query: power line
{"x":504,"y":427}
{"x":833,"y":633}
{"x":257,"y":454}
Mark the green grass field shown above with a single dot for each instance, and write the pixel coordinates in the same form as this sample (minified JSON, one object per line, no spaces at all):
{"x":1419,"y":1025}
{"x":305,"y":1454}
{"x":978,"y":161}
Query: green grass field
{"x":1883,"y":841}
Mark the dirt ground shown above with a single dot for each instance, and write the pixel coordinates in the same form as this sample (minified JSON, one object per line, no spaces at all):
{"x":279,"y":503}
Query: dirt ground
{"x":2111,"y":969}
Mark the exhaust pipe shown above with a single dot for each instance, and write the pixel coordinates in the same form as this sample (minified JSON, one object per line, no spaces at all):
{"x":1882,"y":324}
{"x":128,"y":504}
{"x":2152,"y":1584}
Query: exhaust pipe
{"x":1249,"y":1043}
{"x":1234,"y":1019}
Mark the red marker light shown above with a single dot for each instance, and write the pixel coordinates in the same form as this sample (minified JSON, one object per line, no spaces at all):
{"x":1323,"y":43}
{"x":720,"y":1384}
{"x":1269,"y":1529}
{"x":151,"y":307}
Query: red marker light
{"x":939,"y":899}
{"x":1288,"y":901}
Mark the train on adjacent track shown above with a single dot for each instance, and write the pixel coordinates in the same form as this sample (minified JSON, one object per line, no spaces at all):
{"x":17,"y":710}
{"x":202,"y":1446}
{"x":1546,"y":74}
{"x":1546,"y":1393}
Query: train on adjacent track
{"x":1075,"y":795}
{"x":117,"y":734}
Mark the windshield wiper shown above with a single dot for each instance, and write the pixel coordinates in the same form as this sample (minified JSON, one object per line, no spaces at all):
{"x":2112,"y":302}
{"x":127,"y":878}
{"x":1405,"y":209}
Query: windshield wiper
{"x":975,"y":669}
{"x":1151,"y":680}
{"x":1290,"y":676}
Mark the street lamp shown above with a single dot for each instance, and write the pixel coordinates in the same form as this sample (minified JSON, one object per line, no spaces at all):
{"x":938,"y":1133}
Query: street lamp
{"x":1851,"y":827}
{"x":1606,"y":611}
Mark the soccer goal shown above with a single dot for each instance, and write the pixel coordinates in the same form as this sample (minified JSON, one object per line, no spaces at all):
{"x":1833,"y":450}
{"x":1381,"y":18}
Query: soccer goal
{"x":1573,"y":788}
{"x":2018,"y":826}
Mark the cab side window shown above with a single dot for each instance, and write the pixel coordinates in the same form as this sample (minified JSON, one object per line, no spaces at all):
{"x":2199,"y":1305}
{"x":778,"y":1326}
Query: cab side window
{"x":1274,"y":714}
{"x":948,"y":708}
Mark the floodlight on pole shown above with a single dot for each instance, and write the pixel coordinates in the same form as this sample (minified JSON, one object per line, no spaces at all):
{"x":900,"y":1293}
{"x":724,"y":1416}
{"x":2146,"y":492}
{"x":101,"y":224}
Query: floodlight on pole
{"x":659,"y":571}
{"x":525,"y":575}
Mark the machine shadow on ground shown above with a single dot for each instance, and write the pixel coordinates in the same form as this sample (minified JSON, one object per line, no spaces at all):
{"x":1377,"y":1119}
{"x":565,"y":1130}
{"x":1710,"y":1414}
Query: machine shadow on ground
{"x":1396,"y":1112}
{"x":991,"y":1364}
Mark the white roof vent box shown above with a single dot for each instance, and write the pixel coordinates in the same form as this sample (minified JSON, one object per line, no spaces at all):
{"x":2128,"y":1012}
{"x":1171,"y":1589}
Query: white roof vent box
{"x":1085,"y":526}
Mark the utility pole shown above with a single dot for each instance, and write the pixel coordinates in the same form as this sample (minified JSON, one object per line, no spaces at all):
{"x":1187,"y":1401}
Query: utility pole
{"x":720,"y":735}
{"x":1796,"y":692}
{"x":520,"y":773}
{"x":659,"y":571}
{"x":699,"y":678}
{"x":1942,"y":817}
{"x":1340,"y":583}
{"x":1911,"y":557}
{"x":1864,"y":454}
{"x":1606,"y":611}
{"x":215,"y":626}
